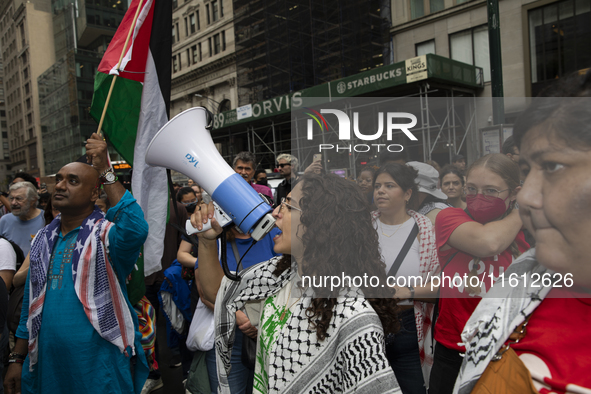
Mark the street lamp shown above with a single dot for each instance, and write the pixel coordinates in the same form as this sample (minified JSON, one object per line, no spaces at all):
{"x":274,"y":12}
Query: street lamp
{"x":220,"y":107}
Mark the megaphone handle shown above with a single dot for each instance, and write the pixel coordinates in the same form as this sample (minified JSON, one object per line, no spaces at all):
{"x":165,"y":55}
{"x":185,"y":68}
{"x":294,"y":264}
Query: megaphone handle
{"x":224,"y":258}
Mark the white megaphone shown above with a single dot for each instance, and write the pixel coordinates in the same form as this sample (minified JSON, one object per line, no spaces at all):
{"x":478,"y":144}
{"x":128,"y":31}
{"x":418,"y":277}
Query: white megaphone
{"x":184,"y":144}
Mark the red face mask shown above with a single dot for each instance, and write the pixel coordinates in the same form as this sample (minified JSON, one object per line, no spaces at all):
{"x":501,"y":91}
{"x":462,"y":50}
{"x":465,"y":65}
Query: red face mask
{"x":483,"y":209}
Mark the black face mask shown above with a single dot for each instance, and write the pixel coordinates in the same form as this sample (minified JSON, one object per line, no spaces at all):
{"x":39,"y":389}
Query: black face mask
{"x":191,"y":207}
{"x":263,"y":182}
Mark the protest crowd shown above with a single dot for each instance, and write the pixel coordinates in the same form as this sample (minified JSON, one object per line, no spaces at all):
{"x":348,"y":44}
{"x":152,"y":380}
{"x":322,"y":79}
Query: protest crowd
{"x":77,"y":315}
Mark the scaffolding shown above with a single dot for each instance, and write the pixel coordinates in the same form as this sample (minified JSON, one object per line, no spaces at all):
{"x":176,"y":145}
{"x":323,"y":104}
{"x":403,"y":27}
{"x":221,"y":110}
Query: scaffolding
{"x":447,"y":125}
{"x":284,"y":46}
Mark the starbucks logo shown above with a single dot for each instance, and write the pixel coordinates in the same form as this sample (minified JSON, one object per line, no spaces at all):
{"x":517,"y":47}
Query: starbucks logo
{"x":341,"y":87}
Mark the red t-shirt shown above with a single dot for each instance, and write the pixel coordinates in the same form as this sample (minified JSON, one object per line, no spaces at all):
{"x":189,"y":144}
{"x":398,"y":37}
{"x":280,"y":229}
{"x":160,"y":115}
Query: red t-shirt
{"x":455,"y":305}
{"x":557,"y":348}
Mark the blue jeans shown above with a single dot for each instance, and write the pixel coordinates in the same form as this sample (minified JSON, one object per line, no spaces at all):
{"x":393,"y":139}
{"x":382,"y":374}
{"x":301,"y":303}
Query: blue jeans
{"x":403,"y":355}
{"x":241,"y":378}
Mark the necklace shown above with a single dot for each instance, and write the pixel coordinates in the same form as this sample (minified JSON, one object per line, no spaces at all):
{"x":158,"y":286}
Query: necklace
{"x":391,"y":235}
{"x":286,"y":308}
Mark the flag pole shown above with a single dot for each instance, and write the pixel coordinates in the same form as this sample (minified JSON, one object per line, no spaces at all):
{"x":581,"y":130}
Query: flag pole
{"x":137,"y":12}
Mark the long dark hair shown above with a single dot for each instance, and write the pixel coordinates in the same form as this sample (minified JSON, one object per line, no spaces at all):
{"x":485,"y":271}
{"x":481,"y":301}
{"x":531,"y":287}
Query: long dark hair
{"x":338,"y":239}
{"x":404,"y":176}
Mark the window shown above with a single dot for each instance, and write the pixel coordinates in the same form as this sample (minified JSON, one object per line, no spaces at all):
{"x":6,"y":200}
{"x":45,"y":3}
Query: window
{"x":200,"y":53}
{"x":425,"y":47}
{"x":173,"y":35}
{"x":193,"y":24}
{"x":216,"y":44}
{"x":419,"y":8}
{"x":25,"y":73}
{"x":223,"y":40}
{"x":207,"y":12}
{"x":471,"y":46}
{"x":188,"y":57}
{"x":210,"y":48}
{"x":28,"y":101}
{"x":197,"y":19}
{"x":178,"y":35}
{"x":559,"y":41}
{"x":174,"y":64}
{"x":221,"y":8}
{"x":435,"y":6}
{"x":180,"y":61}
{"x":195,"y":54}
{"x":186,"y":27}
{"x":214,"y":10}
{"x":26,"y":88}
{"x":175,"y":4}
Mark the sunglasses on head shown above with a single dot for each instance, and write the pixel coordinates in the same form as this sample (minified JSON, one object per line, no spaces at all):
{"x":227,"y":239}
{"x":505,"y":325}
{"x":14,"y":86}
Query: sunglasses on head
{"x":283,"y":165}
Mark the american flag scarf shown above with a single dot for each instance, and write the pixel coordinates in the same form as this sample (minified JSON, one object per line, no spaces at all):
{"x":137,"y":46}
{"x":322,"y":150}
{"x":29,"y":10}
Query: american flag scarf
{"x":95,"y":283}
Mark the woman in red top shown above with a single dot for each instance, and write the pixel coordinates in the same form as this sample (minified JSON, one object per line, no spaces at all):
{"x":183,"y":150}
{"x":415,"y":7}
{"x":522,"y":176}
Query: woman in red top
{"x":475,"y":247}
{"x":553,"y":290}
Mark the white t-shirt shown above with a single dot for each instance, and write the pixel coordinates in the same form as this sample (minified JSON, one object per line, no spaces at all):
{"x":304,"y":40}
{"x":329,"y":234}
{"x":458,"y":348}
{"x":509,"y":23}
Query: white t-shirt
{"x":391,"y":246}
{"x":7,"y":256}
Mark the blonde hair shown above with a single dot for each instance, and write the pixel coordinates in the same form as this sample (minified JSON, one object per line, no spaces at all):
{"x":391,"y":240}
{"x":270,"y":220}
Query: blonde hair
{"x":291,"y":159}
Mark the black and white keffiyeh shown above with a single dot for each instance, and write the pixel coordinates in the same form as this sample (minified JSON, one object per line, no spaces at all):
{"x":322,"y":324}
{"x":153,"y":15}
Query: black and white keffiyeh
{"x":501,"y":310}
{"x":350,"y":359}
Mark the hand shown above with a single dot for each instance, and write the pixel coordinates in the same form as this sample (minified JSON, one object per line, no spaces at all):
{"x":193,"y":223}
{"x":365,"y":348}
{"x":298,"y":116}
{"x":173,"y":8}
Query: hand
{"x":96,"y":153}
{"x":402,"y":293}
{"x":243,"y":323}
{"x":315,"y":167}
{"x":202,"y":213}
{"x":12,"y":380}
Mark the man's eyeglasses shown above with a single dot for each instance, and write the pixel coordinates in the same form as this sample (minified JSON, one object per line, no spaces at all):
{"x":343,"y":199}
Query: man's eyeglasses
{"x":488,"y":193}
{"x":283,"y":202}
{"x":281,"y":165}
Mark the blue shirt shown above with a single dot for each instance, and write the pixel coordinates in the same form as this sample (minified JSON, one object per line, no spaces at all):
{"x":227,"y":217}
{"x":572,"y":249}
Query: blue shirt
{"x":261,"y":251}
{"x":73,"y":357}
{"x":21,"y":232}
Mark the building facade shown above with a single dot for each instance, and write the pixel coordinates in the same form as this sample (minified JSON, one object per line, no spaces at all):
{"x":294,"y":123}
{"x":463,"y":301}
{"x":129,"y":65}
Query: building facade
{"x":27,"y":51}
{"x":4,"y":144}
{"x":81,"y":34}
{"x":203,"y":56}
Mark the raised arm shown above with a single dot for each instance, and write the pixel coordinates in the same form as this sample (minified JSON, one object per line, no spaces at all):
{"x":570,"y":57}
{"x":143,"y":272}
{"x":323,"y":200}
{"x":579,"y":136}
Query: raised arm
{"x":485,"y":240}
{"x":210,"y":271}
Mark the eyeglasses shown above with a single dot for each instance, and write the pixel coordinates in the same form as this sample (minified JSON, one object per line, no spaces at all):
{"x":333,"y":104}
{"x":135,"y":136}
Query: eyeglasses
{"x":488,"y":193}
{"x":287,"y":205}
{"x":281,"y":165}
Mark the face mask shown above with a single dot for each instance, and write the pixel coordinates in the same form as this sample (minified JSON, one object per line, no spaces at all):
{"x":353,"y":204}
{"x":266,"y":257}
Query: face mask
{"x":484,"y":210}
{"x":190,"y":206}
{"x":263,"y":182}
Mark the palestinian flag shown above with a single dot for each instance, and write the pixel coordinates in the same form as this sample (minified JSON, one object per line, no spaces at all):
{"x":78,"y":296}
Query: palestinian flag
{"x":138,"y":107}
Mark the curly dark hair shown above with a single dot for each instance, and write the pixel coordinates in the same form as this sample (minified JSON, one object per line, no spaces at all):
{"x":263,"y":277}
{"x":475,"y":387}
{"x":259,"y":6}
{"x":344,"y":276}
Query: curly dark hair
{"x":339,"y":239}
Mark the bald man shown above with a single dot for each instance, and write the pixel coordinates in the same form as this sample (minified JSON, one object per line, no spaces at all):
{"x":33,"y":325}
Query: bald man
{"x":78,"y":333}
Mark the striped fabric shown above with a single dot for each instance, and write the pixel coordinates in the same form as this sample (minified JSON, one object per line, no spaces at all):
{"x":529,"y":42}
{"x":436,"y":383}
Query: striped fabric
{"x":147,"y":320}
{"x":95,"y":283}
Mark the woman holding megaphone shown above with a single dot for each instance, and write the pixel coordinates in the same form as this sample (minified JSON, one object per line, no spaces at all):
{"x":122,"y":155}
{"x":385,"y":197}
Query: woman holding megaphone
{"x":310,"y":338}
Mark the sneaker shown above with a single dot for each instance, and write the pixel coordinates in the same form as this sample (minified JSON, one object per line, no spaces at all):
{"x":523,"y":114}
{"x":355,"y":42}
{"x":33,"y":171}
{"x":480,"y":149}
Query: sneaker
{"x":175,"y":362}
{"x":152,"y":385}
